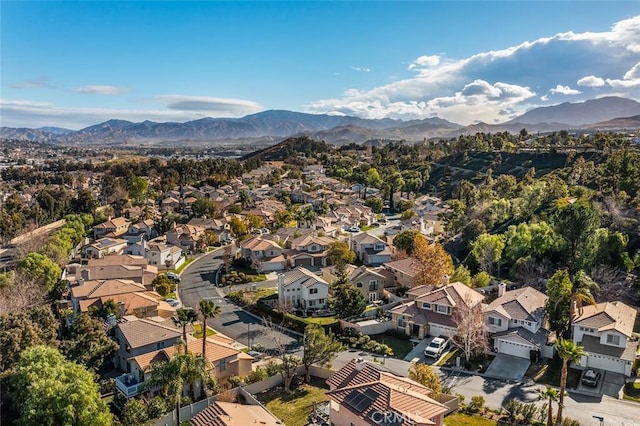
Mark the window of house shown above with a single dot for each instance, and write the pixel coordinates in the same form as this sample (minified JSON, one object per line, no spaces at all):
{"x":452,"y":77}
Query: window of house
{"x":495,"y":321}
{"x":222,"y":366}
{"x":426,"y":305}
{"x":402,"y":322}
{"x":373,"y":285}
{"x":359,"y":285}
{"x":321,"y":301}
{"x":159,"y":345}
{"x":379,"y":247}
{"x":312,"y":302}
{"x":613,"y":339}
{"x":313,"y":291}
{"x":442,"y":309}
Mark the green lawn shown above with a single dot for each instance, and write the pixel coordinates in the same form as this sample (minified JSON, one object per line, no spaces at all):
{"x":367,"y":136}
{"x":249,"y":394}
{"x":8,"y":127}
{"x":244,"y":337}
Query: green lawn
{"x":316,"y":320}
{"x":294,"y":408}
{"x":401,"y":347}
{"x":550,"y":374}
{"x":186,"y":263}
{"x":197,"y":333}
{"x":459,"y":419}
{"x":632,"y":391}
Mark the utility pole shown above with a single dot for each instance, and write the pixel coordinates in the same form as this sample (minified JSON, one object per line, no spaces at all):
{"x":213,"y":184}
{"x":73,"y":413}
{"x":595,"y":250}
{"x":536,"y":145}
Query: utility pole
{"x":249,"y":334}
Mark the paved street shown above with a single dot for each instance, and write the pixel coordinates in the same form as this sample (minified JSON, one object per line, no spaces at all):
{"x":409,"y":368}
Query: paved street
{"x":198,"y":282}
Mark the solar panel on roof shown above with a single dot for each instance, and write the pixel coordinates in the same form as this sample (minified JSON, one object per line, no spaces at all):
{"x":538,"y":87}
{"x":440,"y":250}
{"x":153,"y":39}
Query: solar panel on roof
{"x":360,"y":401}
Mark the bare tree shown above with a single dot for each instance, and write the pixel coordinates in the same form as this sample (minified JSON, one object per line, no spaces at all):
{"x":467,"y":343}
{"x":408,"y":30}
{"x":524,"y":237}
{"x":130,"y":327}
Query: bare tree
{"x":288,"y":363}
{"x":471,"y":331}
{"x":20,"y":293}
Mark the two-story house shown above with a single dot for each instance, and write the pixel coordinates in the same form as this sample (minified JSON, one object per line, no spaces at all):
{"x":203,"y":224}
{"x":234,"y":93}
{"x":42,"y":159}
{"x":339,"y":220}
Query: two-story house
{"x":605,"y":330}
{"x":185,"y":236}
{"x":163,"y":255}
{"x":369,"y":281}
{"x":365,"y":393}
{"x":309,"y":251}
{"x":111,"y":228}
{"x":302,"y":289}
{"x":104,"y":247}
{"x":135,"y":268}
{"x":370,"y":249}
{"x":403,"y":270}
{"x":515,"y":321}
{"x":433,"y":313}
{"x":263,"y":254}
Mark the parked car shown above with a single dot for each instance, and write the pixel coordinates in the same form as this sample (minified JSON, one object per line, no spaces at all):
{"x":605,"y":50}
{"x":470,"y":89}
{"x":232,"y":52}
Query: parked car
{"x":590,"y":378}
{"x":173,"y":277}
{"x":354,"y":229}
{"x":172,"y":302}
{"x":436,"y":348}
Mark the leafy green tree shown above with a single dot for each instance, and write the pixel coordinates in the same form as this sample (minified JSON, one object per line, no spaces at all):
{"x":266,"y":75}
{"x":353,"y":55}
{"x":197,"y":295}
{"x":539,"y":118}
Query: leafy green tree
{"x":424,"y":374}
{"x":487,"y":251}
{"x":87,"y":343}
{"x":238,"y":227}
{"x":40,"y":268}
{"x":472,"y":230}
{"x":611,"y":249}
{"x":208,"y":309}
{"x":347,"y":300}
{"x":48,"y":390}
{"x":161,"y":282}
{"x":204,"y":206}
{"x":576,"y":223}
{"x":481,"y":279}
{"x":568,"y":351}
{"x":19,"y":331}
{"x":157,"y":407}
{"x":288,"y":369}
{"x":371,"y":179}
{"x":339,"y":252}
{"x":558,"y":307}
{"x":254,"y":221}
{"x":134,"y":413}
{"x":582,"y":292}
{"x":461,"y":274}
{"x":182,"y":318}
{"x":375,"y":203}
{"x":319,"y":347}
{"x":537,"y":239}
{"x":138,"y":188}
{"x":282,"y":218}
{"x":406,"y":241}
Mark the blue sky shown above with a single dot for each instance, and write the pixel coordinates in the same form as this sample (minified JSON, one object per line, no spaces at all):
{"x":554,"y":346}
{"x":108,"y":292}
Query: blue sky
{"x":73,"y":64}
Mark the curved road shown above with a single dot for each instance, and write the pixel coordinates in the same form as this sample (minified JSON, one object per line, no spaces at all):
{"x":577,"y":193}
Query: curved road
{"x":198,"y":282}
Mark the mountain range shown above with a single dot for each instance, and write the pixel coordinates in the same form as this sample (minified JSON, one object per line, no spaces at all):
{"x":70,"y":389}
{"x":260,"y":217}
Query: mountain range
{"x":602,"y":113}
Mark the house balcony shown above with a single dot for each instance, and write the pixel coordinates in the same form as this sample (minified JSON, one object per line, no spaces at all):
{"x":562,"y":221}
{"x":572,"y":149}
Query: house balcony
{"x":128,"y":385}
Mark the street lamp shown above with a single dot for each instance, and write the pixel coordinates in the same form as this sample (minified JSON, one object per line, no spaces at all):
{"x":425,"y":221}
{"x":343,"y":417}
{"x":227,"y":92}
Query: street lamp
{"x":599,"y":418}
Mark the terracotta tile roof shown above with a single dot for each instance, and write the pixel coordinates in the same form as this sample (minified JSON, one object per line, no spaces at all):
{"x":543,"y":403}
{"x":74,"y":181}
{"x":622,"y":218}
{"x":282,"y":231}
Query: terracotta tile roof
{"x":102,"y":288}
{"x":608,"y":316}
{"x":375,"y":391}
{"x":233,"y":414}
{"x":524,"y":303}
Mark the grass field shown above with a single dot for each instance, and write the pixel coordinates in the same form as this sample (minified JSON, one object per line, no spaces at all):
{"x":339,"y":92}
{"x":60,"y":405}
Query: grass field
{"x":294,"y":408}
{"x":459,"y":419}
{"x":401,"y":347}
{"x":197,"y":333}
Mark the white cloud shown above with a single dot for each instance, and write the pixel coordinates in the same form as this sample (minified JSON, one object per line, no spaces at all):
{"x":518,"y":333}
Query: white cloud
{"x":101,"y":90}
{"x":591,"y":81}
{"x":503,"y":79}
{"x":361,"y":69}
{"x":634,"y":72}
{"x":16,"y":113}
{"x":36,"y":83}
{"x":564,"y":90}
{"x":425,"y":62}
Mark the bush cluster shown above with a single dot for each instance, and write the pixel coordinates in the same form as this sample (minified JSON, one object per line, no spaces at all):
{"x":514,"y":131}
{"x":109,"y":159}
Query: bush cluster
{"x":357,"y":340}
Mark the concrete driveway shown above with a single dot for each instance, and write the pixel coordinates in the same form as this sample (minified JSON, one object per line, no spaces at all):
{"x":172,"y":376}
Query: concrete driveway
{"x":507,"y":367}
{"x":612,"y":384}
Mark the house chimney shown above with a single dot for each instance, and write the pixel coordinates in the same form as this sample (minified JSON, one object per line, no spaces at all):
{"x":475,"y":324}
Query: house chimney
{"x":112,"y":320}
{"x":502,"y":287}
{"x":445,"y":280}
{"x":360,"y":364}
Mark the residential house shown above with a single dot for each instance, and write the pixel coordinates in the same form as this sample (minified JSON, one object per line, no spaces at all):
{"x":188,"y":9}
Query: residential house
{"x":185,"y":236}
{"x":364,"y":393}
{"x":104,"y":247}
{"x":165,"y":256}
{"x":403,"y":270}
{"x":369,"y":281}
{"x":233,"y":414}
{"x":135,"y":268}
{"x":223,"y":359}
{"x":169,"y":205}
{"x":132,"y":298}
{"x":301,"y":288}
{"x":370,"y":249}
{"x":433,"y":313}
{"x":309,"y":251}
{"x":605,"y":331}
{"x":263,"y":254}
{"x":111,"y":228}
{"x":147,"y":227}
{"x":516,"y":323}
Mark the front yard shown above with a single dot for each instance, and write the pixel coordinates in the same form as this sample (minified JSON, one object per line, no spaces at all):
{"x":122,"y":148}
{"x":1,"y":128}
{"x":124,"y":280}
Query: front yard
{"x":549,"y":374}
{"x":401,"y":347}
{"x":294,"y":408}
{"x":459,"y":419}
{"x":632,"y":391}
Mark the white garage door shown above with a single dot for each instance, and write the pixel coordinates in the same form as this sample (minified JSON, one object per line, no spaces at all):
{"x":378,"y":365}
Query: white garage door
{"x":439,"y":330}
{"x":606,"y":363}
{"x":515,"y":349}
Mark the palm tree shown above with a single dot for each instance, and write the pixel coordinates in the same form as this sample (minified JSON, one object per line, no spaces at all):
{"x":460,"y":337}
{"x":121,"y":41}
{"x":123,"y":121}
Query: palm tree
{"x":552,"y":395}
{"x":208,"y":309}
{"x":171,"y":376}
{"x":183,"y":318}
{"x":568,"y":350}
{"x":582,"y":292}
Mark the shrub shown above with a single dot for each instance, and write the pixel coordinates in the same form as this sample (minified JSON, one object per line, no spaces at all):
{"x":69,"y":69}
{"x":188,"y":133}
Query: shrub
{"x":157,"y":407}
{"x":186,"y":400}
{"x":477,"y":403}
{"x":481,"y":279}
{"x":258,"y":375}
{"x":163,"y":289}
{"x":236,"y":381}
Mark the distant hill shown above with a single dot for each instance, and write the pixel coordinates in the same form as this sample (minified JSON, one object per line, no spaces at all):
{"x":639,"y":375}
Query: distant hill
{"x":289,"y":147}
{"x":582,"y":113}
{"x":618,"y":124}
{"x":335,"y":129}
